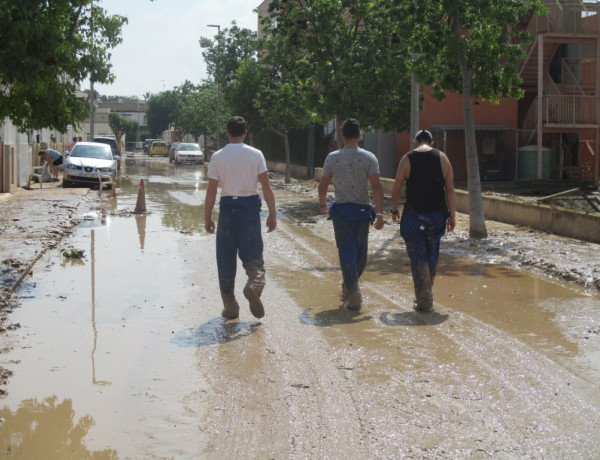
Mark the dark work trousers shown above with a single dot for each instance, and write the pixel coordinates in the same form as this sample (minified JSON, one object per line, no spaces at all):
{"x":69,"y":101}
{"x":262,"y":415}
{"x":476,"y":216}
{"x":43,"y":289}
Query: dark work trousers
{"x":422,"y":234}
{"x":352,"y":241}
{"x":239,"y":233}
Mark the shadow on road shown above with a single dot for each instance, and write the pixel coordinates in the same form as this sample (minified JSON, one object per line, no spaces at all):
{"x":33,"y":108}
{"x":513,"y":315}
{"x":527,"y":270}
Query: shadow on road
{"x":331,"y":317}
{"x":214,"y":332}
{"x":412,"y":318}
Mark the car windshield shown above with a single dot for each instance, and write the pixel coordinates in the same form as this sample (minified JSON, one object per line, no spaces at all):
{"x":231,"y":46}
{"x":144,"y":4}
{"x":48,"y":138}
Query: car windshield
{"x":159,"y":144}
{"x":189,"y":147}
{"x":92,"y":151}
{"x":110,"y":142}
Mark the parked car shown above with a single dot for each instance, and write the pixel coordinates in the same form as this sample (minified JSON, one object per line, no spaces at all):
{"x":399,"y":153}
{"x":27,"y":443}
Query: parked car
{"x":172,"y":151}
{"x":114,"y":146}
{"x":84,"y":162}
{"x":158,"y":148}
{"x":147,"y":143}
{"x":188,"y":153}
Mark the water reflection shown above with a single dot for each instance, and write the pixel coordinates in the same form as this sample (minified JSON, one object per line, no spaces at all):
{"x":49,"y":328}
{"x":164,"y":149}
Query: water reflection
{"x":140,"y":220}
{"x":93,"y":293}
{"x":46,"y":430}
{"x":215,"y":332}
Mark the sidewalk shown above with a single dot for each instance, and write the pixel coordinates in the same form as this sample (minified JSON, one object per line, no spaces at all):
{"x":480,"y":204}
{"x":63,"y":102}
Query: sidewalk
{"x":31,"y":222}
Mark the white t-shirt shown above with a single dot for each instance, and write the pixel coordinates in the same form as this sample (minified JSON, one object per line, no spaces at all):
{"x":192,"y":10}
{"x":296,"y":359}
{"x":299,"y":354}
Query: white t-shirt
{"x":236,"y":167}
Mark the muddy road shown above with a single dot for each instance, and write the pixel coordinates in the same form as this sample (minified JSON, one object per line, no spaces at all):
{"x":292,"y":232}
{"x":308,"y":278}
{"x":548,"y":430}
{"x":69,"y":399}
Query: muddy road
{"x":124,"y":355}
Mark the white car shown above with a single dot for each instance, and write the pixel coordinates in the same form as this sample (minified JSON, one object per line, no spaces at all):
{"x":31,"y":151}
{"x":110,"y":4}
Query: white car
{"x":188,"y":153}
{"x":85,"y":160}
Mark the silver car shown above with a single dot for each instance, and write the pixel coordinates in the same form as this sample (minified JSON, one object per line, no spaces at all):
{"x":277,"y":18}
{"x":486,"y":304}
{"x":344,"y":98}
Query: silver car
{"x":188,"y":153}
{"x":84,"y":162}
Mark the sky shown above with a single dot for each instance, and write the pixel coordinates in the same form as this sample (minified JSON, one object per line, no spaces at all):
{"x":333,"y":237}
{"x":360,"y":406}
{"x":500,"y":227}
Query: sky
{"x":160,"y":48}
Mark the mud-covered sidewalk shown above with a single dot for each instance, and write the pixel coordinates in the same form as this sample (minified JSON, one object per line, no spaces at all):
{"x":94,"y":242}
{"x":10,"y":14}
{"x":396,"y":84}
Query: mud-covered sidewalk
{"x":31,"y":223}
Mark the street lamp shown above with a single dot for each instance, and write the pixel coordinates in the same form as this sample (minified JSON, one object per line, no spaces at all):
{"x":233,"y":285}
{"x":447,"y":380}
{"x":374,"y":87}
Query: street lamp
{"x":91,"y":76}
{"x":218,"y":93}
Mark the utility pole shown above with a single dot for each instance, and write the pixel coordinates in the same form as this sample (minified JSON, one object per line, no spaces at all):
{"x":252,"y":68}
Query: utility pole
{"x":91,"y":77}
{"x":218,"y":93}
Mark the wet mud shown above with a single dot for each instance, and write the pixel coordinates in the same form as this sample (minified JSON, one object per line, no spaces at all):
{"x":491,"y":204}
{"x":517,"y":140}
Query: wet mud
{"x":124,"y":354}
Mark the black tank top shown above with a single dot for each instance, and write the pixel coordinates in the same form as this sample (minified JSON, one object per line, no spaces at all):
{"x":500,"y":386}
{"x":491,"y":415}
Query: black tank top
{"x":425,"y":187}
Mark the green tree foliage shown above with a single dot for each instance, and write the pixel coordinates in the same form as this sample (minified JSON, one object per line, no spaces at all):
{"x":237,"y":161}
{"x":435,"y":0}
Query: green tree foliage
{"x":353,"y":57}
{"x":243,"y":91}
{"x":225,"y":53}
{"x":472,"y":48}
{"x":48,"y":46}
{"x":162,"y":111}
{"x":196,"y":113}
{"x":121,"y":126}
{"x":282,"y":93}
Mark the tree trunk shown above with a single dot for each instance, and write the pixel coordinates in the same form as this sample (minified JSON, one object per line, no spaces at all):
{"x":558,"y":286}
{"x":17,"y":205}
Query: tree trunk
{"x":477,"y":227}
{"x":286,"y":141}
{"x":288,"y":174}
{"x":476,"y":215}
{"x":339,"y":121}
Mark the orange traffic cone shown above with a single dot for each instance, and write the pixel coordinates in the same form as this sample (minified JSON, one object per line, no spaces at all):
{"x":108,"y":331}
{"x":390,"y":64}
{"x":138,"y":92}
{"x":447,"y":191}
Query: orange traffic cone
{"x":140,"y":206}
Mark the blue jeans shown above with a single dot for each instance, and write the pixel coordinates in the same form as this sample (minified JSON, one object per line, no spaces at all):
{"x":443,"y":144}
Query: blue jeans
{"x":239,"y":233}
{"x":422,"y":234}
{"x":351,"y":227}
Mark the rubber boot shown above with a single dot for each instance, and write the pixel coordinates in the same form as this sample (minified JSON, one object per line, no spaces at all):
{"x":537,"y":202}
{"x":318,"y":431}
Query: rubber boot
{"x":231,"y":309}
{"x":344,"y":295}
{"x":423,"y":291}
{"x":253,"y":291}
{"x":354,"y":299}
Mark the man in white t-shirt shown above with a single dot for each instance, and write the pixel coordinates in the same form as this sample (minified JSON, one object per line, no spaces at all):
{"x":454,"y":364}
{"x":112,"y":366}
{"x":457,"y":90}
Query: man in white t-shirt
{"x":238,"y":169}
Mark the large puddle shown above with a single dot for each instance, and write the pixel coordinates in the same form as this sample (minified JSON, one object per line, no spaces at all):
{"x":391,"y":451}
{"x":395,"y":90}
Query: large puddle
{"x":123,"y":354}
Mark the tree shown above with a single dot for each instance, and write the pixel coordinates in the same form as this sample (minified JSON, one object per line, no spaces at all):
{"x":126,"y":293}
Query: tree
{"x":227,"y":51}
{"x":46,"y":48}
{"x":471,"y":48}
{"x":354,"y":58}
{"x":121,"y":126}
{"x":242,"y":94}
{"x":223,"y":56}
{"x":282,"y":89}
{"x":162,"y":110}
{"x":196,"y":112}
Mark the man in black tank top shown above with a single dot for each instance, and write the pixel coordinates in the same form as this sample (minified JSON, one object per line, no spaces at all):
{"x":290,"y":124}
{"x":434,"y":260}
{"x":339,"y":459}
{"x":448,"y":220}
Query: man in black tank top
{"x":429,"y":211}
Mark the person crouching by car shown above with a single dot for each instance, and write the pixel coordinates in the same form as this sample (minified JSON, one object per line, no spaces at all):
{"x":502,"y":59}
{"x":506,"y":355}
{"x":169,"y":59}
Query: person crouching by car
{"x":54,"y":158}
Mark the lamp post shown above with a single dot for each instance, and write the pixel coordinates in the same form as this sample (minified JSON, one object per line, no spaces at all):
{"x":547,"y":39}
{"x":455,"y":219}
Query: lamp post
{"x":91,"y":77}
{"x":218,"y":94}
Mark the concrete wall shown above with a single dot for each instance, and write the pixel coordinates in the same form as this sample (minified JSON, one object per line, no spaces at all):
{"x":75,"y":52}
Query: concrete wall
{"x":298,"y":171}
{"x":559,"y":221}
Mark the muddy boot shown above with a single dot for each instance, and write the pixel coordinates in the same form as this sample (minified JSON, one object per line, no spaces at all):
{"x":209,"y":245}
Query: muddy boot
{"x":253,"y":291}
{"x":344,"y":295}
{"x":354,"y":299}
{"x":423,"y":292}
{"x":231,"y":308}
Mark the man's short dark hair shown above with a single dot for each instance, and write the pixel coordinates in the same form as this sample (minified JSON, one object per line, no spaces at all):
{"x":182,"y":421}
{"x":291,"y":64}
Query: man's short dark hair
{"x":424,"y":136}
{"x":351,"y":128}
{"x":236,"y":126}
